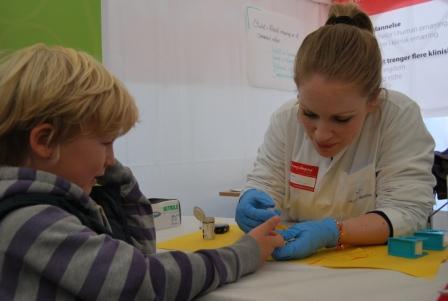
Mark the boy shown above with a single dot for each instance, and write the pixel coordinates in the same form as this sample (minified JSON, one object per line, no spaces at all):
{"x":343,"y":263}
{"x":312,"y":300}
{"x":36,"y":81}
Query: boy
{"x":60,"y":112}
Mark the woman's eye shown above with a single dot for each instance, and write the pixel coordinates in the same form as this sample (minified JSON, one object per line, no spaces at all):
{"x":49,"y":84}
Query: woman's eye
{"x":342,"y":119}
{"x":309,"y":114}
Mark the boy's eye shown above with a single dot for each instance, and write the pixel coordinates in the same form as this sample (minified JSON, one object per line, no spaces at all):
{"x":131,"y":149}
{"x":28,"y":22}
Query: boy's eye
{"x":107,"y":143}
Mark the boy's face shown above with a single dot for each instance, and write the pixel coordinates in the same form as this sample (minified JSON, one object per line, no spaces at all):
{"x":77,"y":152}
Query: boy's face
{"x":82,"y":160}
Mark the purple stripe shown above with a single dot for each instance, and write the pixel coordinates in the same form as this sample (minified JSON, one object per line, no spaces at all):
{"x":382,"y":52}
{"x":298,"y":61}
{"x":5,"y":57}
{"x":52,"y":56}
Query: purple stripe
{"x":18,"y":187}
{"x":99,"y":269}
{"x":209,"y":272}
{"x":61,"y":184}
{"x":63,"y":187}
{"x":58,"y":263}
{"x":134,"y":195}
{"x":27,"y":174}
{"x":238,"y":263}
{"x":21,"y":243}
{"x":84,"y":199}
{"x":137,"y":209}
{"x":216,"y":260}
{"x":158,"y":278}
{"x":142,"y":234}
{"x":186,"y":275}
{"x":135,"y":277}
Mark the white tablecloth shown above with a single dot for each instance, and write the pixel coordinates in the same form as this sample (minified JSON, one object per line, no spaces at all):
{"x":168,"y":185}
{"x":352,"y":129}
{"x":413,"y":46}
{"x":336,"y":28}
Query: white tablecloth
{"x":287,"y":281}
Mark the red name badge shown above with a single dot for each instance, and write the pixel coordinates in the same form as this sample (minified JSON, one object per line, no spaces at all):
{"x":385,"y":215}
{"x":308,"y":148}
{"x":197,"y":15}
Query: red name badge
{"x":303,"y":176}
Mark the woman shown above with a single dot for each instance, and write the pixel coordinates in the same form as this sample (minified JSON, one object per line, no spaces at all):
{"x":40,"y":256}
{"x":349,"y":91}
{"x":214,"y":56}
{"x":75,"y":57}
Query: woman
{"x":348,"y":162}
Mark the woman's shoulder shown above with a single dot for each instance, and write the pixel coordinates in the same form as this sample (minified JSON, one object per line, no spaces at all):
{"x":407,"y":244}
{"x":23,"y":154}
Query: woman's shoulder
{"x":398,"y":106}
{"x":398,"y":111}
{"x":288,"y":109}
{"x":396,"y":101}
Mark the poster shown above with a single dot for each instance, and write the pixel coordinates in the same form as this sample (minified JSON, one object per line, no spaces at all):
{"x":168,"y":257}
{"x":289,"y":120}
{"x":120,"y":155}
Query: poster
{"x":272,"y":43}
{"x":414,"y":45}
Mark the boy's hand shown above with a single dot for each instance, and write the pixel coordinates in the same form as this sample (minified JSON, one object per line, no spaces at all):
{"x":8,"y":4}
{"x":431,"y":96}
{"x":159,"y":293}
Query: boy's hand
{"x":267,"y":239}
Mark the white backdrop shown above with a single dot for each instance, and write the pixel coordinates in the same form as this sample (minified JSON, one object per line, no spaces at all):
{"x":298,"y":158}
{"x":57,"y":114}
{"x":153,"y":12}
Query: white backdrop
{"x":185,"y":63}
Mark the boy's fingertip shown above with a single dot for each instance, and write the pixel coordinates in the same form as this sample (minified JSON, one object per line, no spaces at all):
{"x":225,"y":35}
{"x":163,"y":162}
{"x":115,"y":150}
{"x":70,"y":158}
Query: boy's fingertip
{"x":279,"y":241}
{"x":283,"y":241}
{"x":276,"y":218}
{"x":273,"y":221}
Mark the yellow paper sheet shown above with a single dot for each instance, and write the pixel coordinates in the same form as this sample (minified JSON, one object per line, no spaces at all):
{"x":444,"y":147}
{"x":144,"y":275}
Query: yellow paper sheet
{"x":194,"y":241}
{"x":367,"y":257}
{"x":376,"y":257}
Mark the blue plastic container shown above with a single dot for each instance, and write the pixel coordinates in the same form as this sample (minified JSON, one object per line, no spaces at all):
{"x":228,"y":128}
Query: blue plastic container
{"x":435,"y":239}
{"x":406,"y":246}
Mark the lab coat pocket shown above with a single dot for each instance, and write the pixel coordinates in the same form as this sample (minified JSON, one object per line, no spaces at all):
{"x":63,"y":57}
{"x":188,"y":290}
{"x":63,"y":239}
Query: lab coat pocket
{"x":356,"y":192}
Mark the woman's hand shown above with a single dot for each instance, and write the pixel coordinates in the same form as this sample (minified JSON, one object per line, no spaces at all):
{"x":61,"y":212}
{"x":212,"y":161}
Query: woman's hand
{"x":253,"y":209}
{"x":304,"y":239}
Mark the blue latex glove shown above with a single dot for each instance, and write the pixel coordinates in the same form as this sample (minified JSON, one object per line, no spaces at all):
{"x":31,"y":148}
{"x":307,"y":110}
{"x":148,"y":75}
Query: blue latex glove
{"x":304,"y":239}
{"x":253,"y":209}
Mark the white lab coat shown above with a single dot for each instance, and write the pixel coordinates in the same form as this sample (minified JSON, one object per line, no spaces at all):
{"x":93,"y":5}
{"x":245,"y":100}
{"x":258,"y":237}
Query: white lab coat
{"x":386,"y":168}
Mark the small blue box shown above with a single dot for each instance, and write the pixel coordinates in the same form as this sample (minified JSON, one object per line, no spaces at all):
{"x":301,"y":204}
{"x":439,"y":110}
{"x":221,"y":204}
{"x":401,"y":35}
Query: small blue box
{"x":435,"y":239}
{"x":406,"y":246}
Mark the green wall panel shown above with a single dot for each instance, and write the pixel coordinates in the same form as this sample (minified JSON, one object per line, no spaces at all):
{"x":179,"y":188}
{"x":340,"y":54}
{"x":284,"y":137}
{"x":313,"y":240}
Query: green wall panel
{"x":71,"y":23}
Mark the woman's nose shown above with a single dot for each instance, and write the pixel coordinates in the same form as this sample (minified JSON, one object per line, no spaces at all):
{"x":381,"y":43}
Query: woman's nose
{"x":323,"y":132}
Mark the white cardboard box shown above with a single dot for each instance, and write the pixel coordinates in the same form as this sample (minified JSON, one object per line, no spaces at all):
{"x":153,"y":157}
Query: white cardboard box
{"x":166,"y":213}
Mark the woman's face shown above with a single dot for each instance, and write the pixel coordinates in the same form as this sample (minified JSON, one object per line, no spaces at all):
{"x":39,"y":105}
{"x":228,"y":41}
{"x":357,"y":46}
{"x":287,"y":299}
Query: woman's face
{"x":332,"y":113}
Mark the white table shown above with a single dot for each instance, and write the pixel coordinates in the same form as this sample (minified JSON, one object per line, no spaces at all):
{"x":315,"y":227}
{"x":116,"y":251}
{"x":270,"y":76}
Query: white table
{"x":286,"y":281}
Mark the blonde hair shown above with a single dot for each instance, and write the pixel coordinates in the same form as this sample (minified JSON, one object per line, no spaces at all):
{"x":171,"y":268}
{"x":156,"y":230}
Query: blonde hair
{"x":64,"y":87}
{"x":346,"y":51}
{"x":352,"y":10}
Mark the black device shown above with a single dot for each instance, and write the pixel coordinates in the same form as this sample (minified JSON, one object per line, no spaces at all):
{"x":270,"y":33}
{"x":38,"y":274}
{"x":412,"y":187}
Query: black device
{"x":221,"y":228}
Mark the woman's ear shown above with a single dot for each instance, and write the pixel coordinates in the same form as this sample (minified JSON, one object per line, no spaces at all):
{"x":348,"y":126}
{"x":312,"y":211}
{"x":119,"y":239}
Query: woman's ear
{"x":374,"y":102}
{"x":39,"y":140}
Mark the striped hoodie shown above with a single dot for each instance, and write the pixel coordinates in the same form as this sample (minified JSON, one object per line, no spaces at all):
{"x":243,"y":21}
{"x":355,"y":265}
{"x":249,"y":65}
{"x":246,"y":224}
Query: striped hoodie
{"x":48,"y":254}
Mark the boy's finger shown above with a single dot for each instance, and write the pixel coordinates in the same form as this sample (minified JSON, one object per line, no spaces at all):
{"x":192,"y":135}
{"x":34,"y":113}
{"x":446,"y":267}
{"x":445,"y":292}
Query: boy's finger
{"x":277,"y":240}
{"x":269,"y":225}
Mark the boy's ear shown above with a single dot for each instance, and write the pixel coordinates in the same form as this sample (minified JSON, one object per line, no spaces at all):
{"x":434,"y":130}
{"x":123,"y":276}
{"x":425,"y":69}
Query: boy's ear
{"x":39,"y":140}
